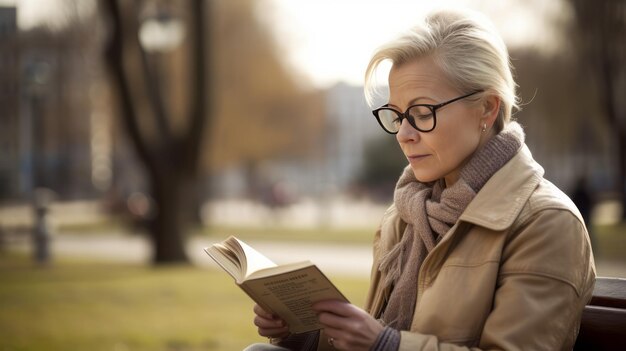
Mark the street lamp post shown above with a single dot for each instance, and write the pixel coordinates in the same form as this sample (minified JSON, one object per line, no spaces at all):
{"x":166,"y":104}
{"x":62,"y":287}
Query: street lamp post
{"x":36,"y":79}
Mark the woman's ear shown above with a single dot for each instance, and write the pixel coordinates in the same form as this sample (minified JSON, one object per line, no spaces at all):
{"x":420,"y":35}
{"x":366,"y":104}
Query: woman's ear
{"x":491,"y":108}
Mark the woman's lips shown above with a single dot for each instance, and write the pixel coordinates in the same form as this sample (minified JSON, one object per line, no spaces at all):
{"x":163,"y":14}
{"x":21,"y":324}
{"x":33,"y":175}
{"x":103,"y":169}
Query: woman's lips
{"x":416,"y":158}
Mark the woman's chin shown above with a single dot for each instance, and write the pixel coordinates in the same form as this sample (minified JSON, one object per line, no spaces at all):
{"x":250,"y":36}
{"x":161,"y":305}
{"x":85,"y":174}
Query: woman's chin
{"x":423,"y":177}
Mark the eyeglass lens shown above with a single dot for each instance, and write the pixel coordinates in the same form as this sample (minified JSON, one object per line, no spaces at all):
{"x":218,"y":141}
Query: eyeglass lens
{"x":420,"y":117}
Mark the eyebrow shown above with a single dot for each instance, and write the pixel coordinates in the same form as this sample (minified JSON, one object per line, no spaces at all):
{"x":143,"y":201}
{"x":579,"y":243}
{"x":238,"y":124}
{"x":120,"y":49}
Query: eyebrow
{"x":411,"y":102}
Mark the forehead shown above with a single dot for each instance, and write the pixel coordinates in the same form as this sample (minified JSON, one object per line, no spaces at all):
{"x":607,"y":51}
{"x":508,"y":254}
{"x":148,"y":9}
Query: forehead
{"x":419,"y":75}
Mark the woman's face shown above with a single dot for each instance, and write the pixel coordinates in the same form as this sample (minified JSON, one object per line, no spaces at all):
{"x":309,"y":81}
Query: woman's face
{"x":442,"y":152}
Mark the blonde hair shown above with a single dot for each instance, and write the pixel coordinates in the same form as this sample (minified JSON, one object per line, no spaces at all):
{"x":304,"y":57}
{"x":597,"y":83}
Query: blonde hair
{"x":465,"y":46}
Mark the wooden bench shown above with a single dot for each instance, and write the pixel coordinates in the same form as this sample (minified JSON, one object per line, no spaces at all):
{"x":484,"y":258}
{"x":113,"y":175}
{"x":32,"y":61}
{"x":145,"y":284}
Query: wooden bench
{"x":603,"y":325}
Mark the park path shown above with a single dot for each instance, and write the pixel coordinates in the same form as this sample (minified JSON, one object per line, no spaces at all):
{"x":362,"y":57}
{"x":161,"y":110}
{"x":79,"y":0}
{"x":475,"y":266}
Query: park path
{"x":334,"y":259}
{"x":343,"y":259}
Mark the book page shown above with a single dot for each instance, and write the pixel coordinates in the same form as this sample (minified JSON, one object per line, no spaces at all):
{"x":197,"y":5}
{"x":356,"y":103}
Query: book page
{"x":226,"y":259}
{"x":237,"y":258}
{"x":254,"y":260}
{"x":291,"y":294}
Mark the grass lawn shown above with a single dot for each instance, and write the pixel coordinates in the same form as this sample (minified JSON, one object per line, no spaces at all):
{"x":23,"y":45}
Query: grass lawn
{"x":83,"y":305}
{"x":610,"y":242}
{"x":78,"y":305}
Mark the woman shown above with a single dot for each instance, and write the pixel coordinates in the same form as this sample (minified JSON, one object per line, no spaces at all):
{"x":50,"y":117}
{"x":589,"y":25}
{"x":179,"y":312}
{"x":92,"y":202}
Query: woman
{"x":478,"y":250}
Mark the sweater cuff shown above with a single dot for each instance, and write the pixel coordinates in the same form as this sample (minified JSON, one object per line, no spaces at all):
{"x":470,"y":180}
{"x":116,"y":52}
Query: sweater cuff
{"x":387,"y":340}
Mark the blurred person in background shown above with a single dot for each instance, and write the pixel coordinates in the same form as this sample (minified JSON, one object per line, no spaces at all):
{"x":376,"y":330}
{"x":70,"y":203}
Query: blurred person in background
{"x":478,"y":250}
{"x":584,"y":201}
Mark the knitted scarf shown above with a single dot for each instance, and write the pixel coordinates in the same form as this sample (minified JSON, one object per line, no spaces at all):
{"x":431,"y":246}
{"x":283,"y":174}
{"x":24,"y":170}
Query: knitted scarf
{"x":430,"y":210}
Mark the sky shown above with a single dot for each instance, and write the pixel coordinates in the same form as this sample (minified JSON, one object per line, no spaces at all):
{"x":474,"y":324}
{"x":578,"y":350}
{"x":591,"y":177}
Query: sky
{"x":332,"y":40}
{"x":329,"y":41}
{"x":34,"y":12}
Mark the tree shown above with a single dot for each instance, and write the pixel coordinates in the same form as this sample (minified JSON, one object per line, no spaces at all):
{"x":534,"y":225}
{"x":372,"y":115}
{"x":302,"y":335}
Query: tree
{"x":231,"y":102}
{"x":600,"y":32}
{"x":170,"y":156}
{"x":262,"y":108}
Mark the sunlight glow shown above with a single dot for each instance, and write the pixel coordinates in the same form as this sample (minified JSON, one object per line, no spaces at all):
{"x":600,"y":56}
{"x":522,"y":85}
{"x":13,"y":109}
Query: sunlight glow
{"x":50,"y":13}
{"x":328,"y":41}
{"x":332,"y":40}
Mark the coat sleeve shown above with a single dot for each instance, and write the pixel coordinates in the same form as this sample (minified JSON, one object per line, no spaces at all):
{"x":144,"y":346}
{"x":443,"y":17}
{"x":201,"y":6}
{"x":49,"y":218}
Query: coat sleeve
{"x":546,"y":277}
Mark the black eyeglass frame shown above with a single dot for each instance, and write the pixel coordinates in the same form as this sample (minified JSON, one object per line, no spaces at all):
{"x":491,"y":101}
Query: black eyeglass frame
{"x":405,"y":115}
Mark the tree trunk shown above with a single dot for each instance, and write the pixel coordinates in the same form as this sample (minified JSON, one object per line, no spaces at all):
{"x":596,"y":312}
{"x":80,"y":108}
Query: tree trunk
{"x":608,"y":72}
{"x":168,"y":227}
{"x":172,"y":160}
{"x":621,"y":172}
{"x":601,"y":27}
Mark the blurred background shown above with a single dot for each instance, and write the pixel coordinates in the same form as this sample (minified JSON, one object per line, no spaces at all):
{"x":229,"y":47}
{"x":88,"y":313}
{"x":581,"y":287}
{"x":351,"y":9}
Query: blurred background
{"x":135,"y":133}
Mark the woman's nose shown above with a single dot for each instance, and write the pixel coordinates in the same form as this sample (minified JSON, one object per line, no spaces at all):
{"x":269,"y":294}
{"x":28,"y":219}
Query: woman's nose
{"x":407,"y":133}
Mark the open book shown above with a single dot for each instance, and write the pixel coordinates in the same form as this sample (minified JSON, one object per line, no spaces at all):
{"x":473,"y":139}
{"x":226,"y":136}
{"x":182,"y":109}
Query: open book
{"x":285,"y":290}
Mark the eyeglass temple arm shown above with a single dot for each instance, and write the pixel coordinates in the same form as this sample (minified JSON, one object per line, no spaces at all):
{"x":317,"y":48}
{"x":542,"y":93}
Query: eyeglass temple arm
{"x":456,"y":99}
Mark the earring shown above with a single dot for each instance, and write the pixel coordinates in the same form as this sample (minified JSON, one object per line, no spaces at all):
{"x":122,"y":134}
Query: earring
{"x":484,"y":127}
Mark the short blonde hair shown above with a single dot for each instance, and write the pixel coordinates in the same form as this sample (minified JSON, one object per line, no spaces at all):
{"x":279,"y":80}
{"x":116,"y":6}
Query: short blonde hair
{"x":465,"y":46}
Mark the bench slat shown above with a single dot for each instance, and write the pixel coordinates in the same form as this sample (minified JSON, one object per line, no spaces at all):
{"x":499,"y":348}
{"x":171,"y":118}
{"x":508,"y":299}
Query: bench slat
{"x":609,"y":292}
{"x":603,"y":324}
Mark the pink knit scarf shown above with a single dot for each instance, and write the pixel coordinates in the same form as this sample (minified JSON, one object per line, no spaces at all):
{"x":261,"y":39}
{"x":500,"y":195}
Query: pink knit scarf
{"x":430,"y":210}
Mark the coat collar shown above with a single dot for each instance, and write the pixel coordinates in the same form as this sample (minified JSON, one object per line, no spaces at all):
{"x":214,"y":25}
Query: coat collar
{"x":518,"y":178}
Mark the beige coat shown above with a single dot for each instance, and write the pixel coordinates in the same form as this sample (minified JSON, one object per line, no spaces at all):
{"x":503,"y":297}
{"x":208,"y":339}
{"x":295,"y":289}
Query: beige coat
{"x":514,"y":273}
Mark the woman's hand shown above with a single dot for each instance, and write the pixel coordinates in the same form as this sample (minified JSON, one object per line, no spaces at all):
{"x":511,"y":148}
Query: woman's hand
{"x":269,"y":325}
{"x":350,"y":327}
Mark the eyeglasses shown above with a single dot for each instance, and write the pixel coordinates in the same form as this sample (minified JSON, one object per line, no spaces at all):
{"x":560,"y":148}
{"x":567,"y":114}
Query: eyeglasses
{"x":422,"y":117}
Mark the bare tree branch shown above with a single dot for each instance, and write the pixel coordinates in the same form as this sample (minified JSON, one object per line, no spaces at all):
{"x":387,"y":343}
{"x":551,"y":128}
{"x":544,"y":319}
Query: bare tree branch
{"x":152,"y":85}
{"x":115,"y":59}
{"x":198,"y":115}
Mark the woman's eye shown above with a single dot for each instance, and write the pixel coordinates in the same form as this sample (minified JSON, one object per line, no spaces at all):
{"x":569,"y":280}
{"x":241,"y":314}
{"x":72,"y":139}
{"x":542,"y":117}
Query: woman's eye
{"x":425,"y":117}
